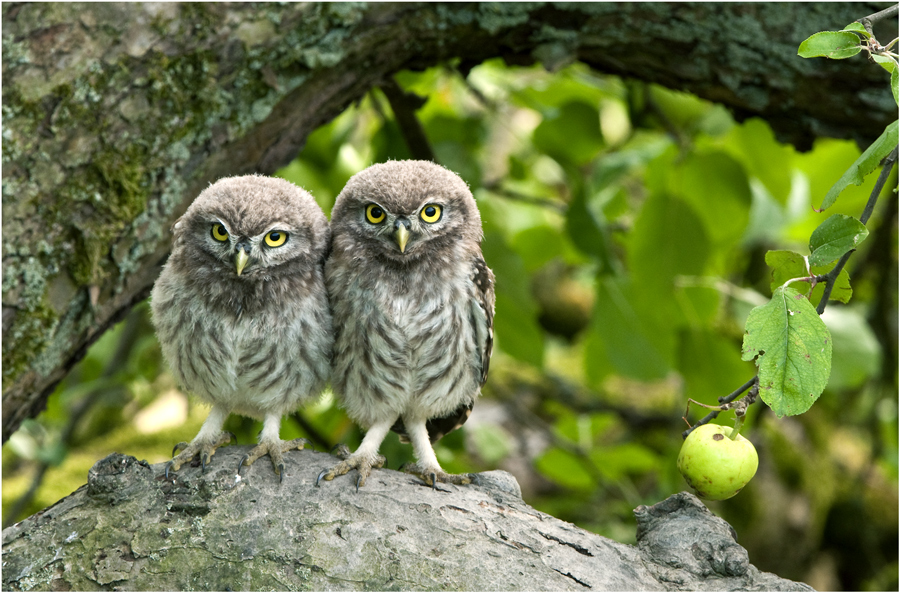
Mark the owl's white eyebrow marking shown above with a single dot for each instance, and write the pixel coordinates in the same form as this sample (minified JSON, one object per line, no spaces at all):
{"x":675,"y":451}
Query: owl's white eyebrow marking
{"x":281,"y":226}
{"x":432,"y":201}
{"x":223,"y":223}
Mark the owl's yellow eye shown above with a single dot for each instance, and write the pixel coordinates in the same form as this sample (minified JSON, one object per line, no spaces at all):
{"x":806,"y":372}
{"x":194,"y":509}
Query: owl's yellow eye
{"x":431,"y":213}
{"x":374,"y":213}
{"x":276,"y":238}
{"x":219,"y":232}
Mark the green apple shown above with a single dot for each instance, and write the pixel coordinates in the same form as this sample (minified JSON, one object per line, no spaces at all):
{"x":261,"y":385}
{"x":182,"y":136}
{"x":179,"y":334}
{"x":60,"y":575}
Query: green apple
{"x":714,"y":465}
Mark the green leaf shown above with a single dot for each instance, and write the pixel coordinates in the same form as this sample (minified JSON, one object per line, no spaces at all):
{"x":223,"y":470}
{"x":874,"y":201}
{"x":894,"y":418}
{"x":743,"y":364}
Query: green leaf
{"x":708,"y":365}
{"x":785,"y":266}
{"x":564,"y":468}
{"x":492,"y":442}
{"x":538,"y":245}
{"x":789,"y":264}
{"x":792,"y":348}
{"x":616,"y":462}
{"x":864,"y":165}
{"x":858,"y":27}
{"x":835,"y":237}
{"x":763,"y":157}
{"x":836,"y":45}
{"x":586,"y":232}
{"x":716,"y":186}
{"x":571,"y":135}
{"x":668,"y":239}
{"x":885,"y":62}
{"x":857,"y":355}
{"x":894,"y":82}
{"x":515,"y":322}
{"x":628,"y":344}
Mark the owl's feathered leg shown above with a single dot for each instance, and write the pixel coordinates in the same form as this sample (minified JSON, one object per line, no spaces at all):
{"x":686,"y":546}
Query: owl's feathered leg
{"x":364,"y":459}
{"x":270,"y":444}
{"x":206,"y":442}
{"x":427,"y":466}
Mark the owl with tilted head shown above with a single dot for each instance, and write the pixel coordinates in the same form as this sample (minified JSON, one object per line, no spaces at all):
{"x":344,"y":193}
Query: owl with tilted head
{"x":241,"y":311}
{"x":413,"y":306}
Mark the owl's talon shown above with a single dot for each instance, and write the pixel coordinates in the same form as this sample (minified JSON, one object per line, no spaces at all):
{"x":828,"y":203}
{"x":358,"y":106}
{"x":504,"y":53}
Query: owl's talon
{"x":362,"y":464}
{"x":274,"y":448}
{"x":431,"y":476}
{"x":181,"y":445}
{"x":168,"y":465}
{"x":241,"y":463}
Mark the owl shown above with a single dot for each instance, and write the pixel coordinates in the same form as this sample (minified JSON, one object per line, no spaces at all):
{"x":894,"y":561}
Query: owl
{"x":241,"y":312}
{"x":413,"y":306}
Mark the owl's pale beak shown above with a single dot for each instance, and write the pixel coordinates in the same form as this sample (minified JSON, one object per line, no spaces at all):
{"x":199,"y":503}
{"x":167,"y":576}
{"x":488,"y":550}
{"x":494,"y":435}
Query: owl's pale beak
{"x":240,"y":260}
{"x":401,"y":233}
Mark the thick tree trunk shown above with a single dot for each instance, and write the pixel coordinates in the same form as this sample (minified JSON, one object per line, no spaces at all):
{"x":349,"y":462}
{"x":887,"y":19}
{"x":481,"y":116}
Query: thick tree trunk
{"x":131,"y":529}
{"x":116,"y":115}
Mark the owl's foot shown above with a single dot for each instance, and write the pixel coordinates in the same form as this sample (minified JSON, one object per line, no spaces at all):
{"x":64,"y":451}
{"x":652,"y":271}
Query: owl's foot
{"x":363,"y":464}
{"x":274,"y":450}
{"x":206,"y":449}
{"x":433,"y":475}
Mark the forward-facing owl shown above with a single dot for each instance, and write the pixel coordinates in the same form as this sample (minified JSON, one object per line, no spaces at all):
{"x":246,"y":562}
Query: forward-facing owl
{"x":413,"y":306}
{"x":241,"y":311}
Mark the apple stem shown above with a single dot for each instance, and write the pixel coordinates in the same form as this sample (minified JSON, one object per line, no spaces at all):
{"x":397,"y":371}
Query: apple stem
{"x":738,"y":422}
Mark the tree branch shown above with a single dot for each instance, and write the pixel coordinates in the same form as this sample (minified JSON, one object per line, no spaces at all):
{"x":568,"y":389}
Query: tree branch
{"x":869,"y":21}
{"x":404,"y":106}
{"x":130,"y":529}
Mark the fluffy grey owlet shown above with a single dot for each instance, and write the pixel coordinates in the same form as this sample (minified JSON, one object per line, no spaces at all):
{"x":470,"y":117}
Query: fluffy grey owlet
{"x":241,"y":312}
{"x":413,"y":305}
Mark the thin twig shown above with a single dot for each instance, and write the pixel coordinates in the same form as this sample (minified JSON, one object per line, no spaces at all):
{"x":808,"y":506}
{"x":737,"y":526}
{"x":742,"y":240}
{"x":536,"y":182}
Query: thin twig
{"x":831,"y":277}
{"x":495,"y":188}
{"x":404,"y":106}
{"x":754,"y":382}
{"x":310,"y":430}
{"x":888,"y":165}
{"x":868,"y":21}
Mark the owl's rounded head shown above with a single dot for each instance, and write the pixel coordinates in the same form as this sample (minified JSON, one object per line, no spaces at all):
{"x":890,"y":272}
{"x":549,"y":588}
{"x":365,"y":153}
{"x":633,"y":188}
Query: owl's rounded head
{"x":406,"y":211}
{"x":252,"y":227}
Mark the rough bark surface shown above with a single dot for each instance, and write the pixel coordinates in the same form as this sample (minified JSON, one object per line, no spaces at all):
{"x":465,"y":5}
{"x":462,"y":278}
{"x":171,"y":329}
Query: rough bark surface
{"x":115,"y":116}
{"x":131,"y":529}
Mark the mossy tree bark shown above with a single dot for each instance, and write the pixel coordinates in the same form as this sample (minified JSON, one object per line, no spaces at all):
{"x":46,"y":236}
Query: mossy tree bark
{"x":130,"y":529}
{"x":116,"y":115}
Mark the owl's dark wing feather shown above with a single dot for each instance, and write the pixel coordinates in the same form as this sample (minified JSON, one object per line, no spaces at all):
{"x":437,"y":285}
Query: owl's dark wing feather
{"x":438,"y":427}
{"x":483,"y":313}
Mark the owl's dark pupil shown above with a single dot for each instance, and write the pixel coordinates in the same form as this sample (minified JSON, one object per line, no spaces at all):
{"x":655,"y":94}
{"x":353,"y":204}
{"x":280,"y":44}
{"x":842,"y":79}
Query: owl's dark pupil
{"x":275,"y":236}
{"x":429,"y":211}
{"x":376,"y":212}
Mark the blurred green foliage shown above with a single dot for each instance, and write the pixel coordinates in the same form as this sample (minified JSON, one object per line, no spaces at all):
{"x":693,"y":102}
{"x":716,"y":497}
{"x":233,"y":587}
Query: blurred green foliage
{"x":627,"y":226}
